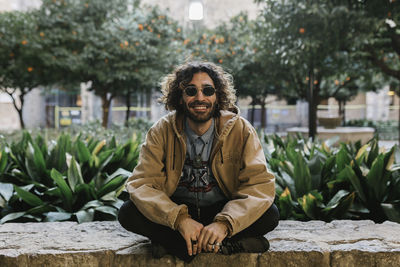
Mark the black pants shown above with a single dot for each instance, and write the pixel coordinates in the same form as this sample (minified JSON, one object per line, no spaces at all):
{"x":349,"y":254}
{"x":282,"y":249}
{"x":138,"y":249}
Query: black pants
{"x":132,"y":220}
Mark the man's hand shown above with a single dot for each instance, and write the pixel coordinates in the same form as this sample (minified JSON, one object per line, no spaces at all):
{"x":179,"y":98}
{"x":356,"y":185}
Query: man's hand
{"x":210,"y":235}
{"x":190,"y":230}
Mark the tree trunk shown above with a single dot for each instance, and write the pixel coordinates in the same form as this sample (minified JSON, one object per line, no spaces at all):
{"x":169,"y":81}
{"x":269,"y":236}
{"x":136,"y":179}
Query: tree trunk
{"x":263,"y":115}
{"x":312,"y":110}
{"x":253,"y":111}
{"x":18,"y":109}
{"x":128,"y":106}
{"x":342,"y":114}
{"x":105,"y":104}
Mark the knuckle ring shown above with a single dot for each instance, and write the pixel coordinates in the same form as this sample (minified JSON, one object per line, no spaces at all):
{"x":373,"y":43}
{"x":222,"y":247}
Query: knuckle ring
{"x":218,"y":244}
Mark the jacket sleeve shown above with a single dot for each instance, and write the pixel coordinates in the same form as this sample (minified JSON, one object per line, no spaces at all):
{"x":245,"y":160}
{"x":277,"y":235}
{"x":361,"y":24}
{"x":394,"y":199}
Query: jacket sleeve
{"x":256,"y":190}
{"x":146,"y":185}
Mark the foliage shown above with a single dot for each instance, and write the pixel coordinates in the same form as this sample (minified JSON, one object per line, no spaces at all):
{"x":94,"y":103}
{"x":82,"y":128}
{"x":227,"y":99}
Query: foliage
{"x":21,"y":64}
{"x":303,"y":170}
{"x":316,"y":45}
{"x":119,"y":46}
{"x":319,"y":181}
{"x":76,"y":178}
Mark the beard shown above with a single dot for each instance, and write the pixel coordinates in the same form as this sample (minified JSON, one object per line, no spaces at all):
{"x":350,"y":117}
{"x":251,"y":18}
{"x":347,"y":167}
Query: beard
{"x":199,"y":117}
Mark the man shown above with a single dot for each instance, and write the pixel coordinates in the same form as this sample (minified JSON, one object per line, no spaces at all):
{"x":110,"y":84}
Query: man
{"x":201,"y":183}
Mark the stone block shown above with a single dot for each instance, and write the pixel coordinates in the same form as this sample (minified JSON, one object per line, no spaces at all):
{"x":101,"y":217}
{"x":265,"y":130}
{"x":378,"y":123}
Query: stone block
{"x":98,"y":244}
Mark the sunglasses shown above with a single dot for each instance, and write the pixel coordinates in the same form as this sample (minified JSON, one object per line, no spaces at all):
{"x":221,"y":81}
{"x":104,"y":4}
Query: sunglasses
{"x":192,"y":91}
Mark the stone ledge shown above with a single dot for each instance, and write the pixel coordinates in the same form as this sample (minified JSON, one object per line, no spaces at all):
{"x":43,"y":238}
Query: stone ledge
{"x":315,"y":243}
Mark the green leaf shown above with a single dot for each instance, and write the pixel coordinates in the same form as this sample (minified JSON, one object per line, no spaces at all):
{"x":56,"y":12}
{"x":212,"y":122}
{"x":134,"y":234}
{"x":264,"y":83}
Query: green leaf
{"x":88,"y":190}
{"x":55,"y":191}
{"x":302,"y":176}
{"x":65,"y":190}
{"x":74,"y":174}
{"x":3,"y":161}
{"x":92,"y":204}
{"x":35,"y":163}
{"x":57,"y":216}
{"x":354,"y":179}
{"x":58,"y":158}
{"x":392,"y":211}
{"x":28,"y":197}
{"x":374,"y":178}
{"x":334,"y":202}
{"x":85,"y":215}
{"x":83,"y":153}
{"x":112,"y":185}
{"x":285,"y":204}
{"x":309,"y":204}
{"x":342,"y":159}
{"x":118,"y":172}
{"x":108,"y":210}
{"x":373,"y":153}
{"x":12,"y":216}
{"x":39,"y":210}
{"x":6,"y":190}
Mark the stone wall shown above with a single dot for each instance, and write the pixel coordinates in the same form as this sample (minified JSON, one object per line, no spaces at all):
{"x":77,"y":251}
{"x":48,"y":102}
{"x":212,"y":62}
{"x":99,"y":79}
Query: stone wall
{"x":314,"y":243}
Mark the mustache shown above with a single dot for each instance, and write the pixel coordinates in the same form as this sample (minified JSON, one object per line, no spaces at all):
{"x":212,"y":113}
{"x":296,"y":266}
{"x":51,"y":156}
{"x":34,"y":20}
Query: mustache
{"x":197,"y":103}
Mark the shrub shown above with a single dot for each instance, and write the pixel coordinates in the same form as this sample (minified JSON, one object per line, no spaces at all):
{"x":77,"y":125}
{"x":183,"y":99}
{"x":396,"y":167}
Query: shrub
{"x":315,"y":180}
{"x":80,"y":178}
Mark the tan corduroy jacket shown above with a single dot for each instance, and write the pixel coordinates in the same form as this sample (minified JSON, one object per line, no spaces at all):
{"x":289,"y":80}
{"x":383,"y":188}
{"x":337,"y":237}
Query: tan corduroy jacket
{"x":237,"y":161}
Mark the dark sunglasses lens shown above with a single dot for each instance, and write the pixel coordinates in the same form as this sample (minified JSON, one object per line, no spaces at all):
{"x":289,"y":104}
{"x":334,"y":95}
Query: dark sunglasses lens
{"x":191,"y":91}
{"x":208,"y":91}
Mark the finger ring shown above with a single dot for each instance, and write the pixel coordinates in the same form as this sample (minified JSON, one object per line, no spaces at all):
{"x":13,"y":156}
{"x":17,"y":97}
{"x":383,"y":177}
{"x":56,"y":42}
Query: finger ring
{"x":194,"y":242}
{"x":211,"y":244}
{"x":218,"y":244}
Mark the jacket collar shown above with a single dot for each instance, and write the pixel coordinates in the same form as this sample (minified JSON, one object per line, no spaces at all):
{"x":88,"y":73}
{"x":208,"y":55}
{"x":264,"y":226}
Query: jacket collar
{"x":223,"y":124}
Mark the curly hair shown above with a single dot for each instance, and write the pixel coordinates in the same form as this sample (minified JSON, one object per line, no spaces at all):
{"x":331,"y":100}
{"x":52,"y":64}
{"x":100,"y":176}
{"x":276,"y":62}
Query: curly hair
{"x":173,"y":84}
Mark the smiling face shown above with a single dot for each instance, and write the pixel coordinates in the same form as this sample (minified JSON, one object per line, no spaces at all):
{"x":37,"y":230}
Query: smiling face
{"x":199,"y":108}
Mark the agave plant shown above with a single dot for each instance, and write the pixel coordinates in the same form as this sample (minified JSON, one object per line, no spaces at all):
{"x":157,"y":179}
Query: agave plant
{"x":69,"y":179}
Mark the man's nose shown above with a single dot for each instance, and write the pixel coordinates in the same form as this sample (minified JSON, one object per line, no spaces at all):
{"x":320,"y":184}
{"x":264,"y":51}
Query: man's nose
{"x":200,"y":95}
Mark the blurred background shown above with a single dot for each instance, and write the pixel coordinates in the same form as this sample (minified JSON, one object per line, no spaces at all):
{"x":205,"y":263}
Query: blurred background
{"x":71,"y":62}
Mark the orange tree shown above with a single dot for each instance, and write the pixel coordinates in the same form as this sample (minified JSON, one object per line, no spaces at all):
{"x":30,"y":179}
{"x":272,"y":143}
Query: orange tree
{"x":316,"y":42}
{"x":115,"y":46}
{"x":21,"y":65}
{"x":234,"y":45}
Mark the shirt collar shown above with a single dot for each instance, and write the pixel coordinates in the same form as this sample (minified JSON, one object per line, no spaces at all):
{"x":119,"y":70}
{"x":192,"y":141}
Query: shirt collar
{"x":193,"y":136}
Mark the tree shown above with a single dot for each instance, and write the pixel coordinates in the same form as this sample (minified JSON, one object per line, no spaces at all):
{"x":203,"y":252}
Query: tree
{"x":381,"y":40}
{"x":312,"y":38}
{"x":21,"y":65}
{"x":109,"y":43}
{"x":234,"y":45}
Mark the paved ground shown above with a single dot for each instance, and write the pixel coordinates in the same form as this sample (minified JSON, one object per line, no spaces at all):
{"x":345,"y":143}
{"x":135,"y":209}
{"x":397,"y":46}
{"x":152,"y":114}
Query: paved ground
{"x":315,"y":243}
